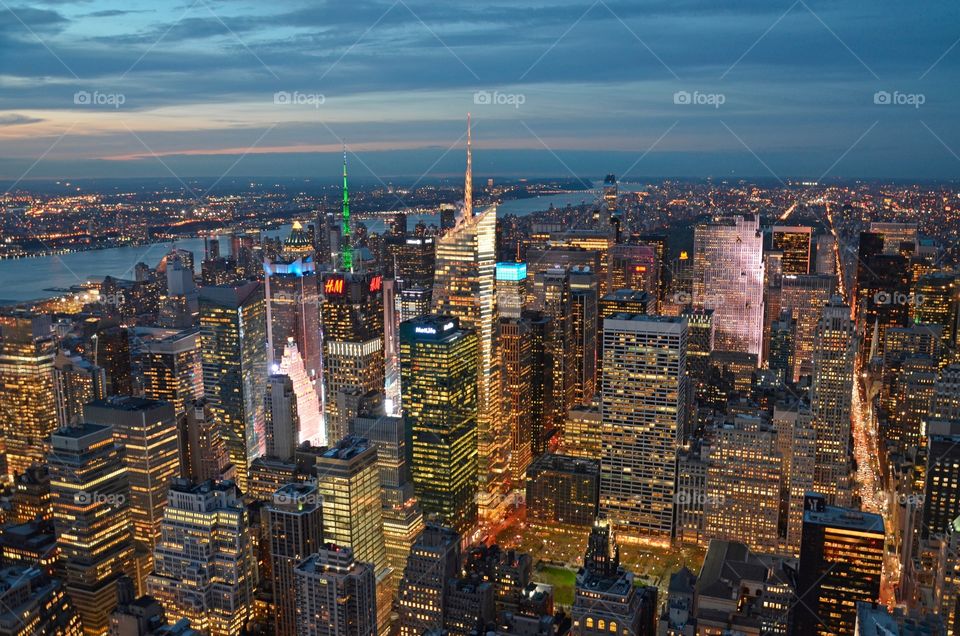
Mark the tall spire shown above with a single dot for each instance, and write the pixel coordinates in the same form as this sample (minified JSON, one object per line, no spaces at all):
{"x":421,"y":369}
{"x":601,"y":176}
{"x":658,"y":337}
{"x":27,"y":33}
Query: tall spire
{"x":347,"y":255}
{"x":468,"y":181}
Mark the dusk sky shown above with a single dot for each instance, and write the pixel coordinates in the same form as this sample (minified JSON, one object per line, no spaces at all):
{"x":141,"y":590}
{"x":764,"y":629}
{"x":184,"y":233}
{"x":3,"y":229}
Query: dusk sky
{"x":786,"y":88}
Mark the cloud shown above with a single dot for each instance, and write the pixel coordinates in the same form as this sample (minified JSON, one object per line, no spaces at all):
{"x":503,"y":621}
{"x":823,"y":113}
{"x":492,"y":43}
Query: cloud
{"x":18,"y":120}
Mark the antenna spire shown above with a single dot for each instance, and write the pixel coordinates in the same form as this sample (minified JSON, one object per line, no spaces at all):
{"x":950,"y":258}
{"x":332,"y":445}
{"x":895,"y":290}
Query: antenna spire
{"x":347,"y":255}
{"x":468,"y":180}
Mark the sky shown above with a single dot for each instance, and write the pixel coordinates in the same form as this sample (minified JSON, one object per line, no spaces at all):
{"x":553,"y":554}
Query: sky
{"x":777,"y":89}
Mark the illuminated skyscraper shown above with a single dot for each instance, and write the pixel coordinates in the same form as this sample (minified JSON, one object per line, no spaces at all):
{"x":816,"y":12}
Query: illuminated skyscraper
{"x":511,"y":289}
{"x":796,"y":444}
{"x":794,"y":243}
{"x":28,"y":410}
{"x":831,"y":395}
{"x":402,"y":517}
{"x":937,"y":301}
{"x":621,"y":301}
{"x":293,"y":311}
{"x":413,"y":303}
{"x":464,"y":287}
{"x":335,"y":594}
{"x":348,"y":483}
{"x":841,"y":559}
{"x":91,"y":514}
{"x":544,"y":418}
{"x":516,"y":350}
{"x":171,"y":365}
{"x":433,"y":562}
{"x":282,"y":429}
{"x":147,"y":432}
{"x":805,"y":297}
{"x":643,"y":410}
{"x":205,"y":569}
{"x":294,"y":527}
{"x":583,"y":297}
{"x":728,"y":278}
{"x":203,"y":448}
{"x":233,"y":338}
{"x":353,"y":342}
{"x":554,"y":287}
{"x":438,"y":367}
{"x":77,"y":381}
{"x":309,"y":421}
{"x":743,"y":485}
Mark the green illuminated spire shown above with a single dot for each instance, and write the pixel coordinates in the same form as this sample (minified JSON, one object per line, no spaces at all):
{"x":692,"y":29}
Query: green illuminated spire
{"x":347,"y":256}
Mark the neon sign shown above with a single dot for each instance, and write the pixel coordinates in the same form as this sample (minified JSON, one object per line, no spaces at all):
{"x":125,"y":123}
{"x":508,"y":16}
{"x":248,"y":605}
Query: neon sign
{"x":333,"y":286}
{"x":376,"y":284}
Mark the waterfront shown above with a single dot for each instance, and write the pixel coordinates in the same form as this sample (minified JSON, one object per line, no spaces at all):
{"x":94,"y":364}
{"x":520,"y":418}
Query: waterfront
{"x":33,"y":278}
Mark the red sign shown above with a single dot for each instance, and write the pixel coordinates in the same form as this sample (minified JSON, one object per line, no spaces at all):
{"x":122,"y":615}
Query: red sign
{"x":641,"y":268}
{"x":333,"y":286}
{"x":376,"y":284}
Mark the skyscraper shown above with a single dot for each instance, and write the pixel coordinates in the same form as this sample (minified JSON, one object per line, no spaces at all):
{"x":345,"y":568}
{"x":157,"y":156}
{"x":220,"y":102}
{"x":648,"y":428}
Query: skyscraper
{"x":91,"y":515}
{"x":743,"y":485}
{"x":309,"y":419}
{"x":205,"y":569}
{"x":841,"y":559}
{"x":511,"y":289}
{"x":830,"y":397}
{"x":805,"y":296}
{"x":516,"y":350}
{"x":464,"y":287}
{"x":294,"y":528}
{"x":171,"y":365}
{"x":353,"y":342}
{"x":402,"y":516}
{"x":433,"y":561}
{"x":293,"y":311}
{"x":28,"y":410}
{"x":335,"y":594}
{"x":348,"y":482}
{"x":728,"y":278}
{"x":583,"y":297}
{"x":643,"y":409}
{"x":76,"y":382}
{"x":438,"y":367}
{"x":233,"y":340}
{"x":794,"y":243}
{"x":147,"y":432}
